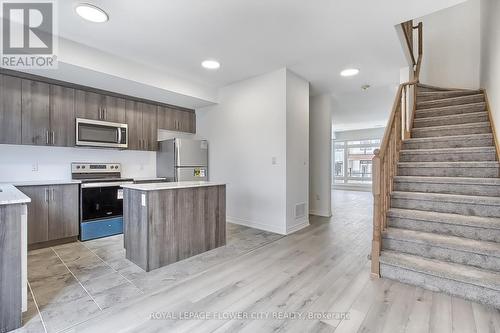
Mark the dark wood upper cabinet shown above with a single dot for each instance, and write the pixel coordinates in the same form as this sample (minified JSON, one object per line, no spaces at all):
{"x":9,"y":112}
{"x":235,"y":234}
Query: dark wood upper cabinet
{"x":114,"y":109}
{"x":91,"y":105}
{"x":133,"y":114}
{"x":10,"y":110}
{"x":149,"y":126}
{"x":166,"y":118}
{"x":88,"y":105}
{"x":35,"y":113}
{"x":62,"y":116}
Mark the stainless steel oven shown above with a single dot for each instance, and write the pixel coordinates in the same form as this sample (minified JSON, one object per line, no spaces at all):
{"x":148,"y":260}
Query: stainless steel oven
{"x":97,"y":133}
{"x":101,"y":199}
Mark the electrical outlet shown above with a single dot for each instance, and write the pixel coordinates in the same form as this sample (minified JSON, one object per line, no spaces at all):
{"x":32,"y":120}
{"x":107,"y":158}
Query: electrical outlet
{"x":274,"y":160}
{"x":34,"y":167}
{"x":317,"y":197}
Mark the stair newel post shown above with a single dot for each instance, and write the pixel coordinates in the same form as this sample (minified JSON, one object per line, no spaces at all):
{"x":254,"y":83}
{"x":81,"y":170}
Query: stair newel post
{"x":377,"y":215}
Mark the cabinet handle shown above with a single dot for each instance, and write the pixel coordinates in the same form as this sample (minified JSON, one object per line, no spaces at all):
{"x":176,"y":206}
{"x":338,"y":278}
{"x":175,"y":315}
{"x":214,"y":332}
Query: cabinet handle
{"x":53,"y":137}
{"x":52,"y":194}
{"x":47,"y":136}
{"x":101,"y":114}
{"x":46,"y":195}
{"x":105,"y":113}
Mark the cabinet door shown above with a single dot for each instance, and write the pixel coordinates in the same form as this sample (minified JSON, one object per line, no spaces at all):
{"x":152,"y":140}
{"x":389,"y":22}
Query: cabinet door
{"x":38,"y":213}
{"x":133,"y":114}
{"x":185,"y":121}
{"x":166,"y":118}
{"x":10,"y":110}
{"x":191,"y":128}
{"x":88,"y":105}
{"x":114,"y":109}
{"x":35,"y":113}
{"x":149,"y":126}
{"x":63,"y":211}
{"x":62,"y":116}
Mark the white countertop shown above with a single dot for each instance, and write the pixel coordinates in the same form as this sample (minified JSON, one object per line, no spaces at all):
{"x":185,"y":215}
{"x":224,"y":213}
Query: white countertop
{"x":146,"y":179}
{"x":45,"y":182}
{"x":169,"y":185}
{"x":9,"y":195}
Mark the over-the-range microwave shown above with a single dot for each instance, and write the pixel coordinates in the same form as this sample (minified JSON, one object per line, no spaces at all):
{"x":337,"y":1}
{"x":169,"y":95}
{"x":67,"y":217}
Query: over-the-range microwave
{"x":97,"y":133}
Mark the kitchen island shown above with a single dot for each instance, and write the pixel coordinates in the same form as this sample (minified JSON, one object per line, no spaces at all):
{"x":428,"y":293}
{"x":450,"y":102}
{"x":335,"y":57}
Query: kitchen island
{"x":167,"y":222}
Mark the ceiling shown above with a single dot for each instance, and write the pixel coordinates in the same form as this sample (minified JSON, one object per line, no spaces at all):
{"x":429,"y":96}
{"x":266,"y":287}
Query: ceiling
{"x":315,"y":39}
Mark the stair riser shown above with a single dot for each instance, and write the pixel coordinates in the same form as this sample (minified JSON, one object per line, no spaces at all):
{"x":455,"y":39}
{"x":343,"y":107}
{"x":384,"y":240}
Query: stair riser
{"x":435,"y":252}
{"x":448,"y":157}
{"x":449,"y":172}
{"x":450,"y":111}
{"x":463,"y":189}
{"x":445,"y":94}
{"x":432,"y":132}
{"x":483,"y":234}
{"x":439,"y":284}
{"x":465,"y":119}
{"x":469,"y":209}
{"x":449,"y":144}
{"x":450,"y":102}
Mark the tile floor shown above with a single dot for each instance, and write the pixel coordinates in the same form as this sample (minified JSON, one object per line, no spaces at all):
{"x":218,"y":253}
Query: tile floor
{"x":70,"y":283}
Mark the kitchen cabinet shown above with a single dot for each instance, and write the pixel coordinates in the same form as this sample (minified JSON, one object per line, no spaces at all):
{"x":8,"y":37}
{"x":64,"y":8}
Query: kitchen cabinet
{"x":176,"y":120}
{"x":35,"y":113}
{"x":142,"y":125}
{"x":62,"y":116}
{"x":10,"y":110}
{"x":91,"y":105}
{"x":53,"y":213}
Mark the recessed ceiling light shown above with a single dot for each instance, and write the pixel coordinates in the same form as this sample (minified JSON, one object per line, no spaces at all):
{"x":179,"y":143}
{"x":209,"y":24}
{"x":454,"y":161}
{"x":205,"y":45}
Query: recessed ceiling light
{"x":211,"y":64}
{"x":350,"y":72}
{"x":91,"y":13}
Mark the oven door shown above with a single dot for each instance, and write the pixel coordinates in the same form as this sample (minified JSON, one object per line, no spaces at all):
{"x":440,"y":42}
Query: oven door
{"x":101,"y":202}
{"x":95,"y":133}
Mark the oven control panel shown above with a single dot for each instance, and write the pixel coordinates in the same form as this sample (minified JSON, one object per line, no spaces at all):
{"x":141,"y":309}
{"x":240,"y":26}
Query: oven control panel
{"x":95,"y":167}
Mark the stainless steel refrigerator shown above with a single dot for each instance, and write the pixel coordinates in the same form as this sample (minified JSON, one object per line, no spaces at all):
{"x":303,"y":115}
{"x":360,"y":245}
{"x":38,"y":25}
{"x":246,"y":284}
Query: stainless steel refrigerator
{"x":182,"y":160}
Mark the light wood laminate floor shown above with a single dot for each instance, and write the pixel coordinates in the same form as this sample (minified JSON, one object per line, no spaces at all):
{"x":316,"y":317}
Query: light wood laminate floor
{"x":321,"y":271}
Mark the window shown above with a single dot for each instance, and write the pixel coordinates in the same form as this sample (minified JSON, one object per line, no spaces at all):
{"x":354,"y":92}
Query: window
{"x":352,"y":161}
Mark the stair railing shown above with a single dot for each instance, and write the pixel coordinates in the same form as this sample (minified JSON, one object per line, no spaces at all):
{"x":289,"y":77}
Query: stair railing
{"x":385,"y":160}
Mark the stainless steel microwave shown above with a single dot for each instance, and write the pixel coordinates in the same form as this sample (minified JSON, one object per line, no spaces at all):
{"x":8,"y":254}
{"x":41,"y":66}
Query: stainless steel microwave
{"x":97,"y":133}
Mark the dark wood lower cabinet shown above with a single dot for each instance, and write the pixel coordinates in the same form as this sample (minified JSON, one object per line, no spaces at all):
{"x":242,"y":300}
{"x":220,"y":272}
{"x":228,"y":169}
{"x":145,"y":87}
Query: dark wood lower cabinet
{"x":52,"y":214}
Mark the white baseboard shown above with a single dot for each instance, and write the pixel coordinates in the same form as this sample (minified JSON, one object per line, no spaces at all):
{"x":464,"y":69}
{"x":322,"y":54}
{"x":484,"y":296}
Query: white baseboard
{"x":257,"y":225}
{"x":353,"y":187}
{"x":300,"y":224}
{"x":320,"y":213}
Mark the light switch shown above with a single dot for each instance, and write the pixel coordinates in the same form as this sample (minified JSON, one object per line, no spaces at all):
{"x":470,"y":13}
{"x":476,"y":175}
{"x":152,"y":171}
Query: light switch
{"x":274,"y":160}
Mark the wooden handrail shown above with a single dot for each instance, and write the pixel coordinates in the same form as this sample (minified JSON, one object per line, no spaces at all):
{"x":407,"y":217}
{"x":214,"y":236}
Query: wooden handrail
{"x":385,"y":160}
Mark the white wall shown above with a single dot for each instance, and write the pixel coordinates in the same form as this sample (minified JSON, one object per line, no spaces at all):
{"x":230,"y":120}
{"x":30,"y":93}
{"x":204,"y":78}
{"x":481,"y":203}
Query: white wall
{"x":54,"y":163}
{"x":258,"y":136}
{"x":490,"y":56}
{"x":320,"y":155}
{"x":297,"y":152}
{"x":246,"y":132}
{"x":452,"y":46}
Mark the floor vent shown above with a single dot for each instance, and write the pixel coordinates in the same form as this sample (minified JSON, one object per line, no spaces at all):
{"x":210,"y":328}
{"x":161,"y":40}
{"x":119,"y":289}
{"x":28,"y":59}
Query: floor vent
{"x":300,"y":210}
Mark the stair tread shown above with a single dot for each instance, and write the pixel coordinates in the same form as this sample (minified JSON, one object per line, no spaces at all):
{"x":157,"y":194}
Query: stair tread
{"x":444,"y":241}
{"x":448,"y":150}
{"x":449,"y":180}
{"x":465,"y":92}
{"x":443,"y":269}
{"x":461,"y":164}
{"x":451,"y":137}
{"x":447,"y":218}
{"x":451,"y":99}
{"x":455,"y":126}
{"x":451,"y":107}
{"x":451,"y":116}
{"x":444,"y":197}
